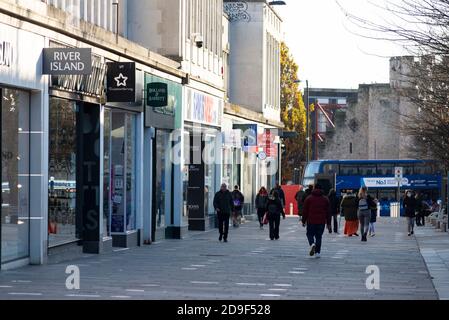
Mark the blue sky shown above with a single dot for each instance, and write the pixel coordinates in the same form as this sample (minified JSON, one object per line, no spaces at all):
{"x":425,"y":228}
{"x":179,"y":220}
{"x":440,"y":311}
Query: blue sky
{"x":325,"y":47}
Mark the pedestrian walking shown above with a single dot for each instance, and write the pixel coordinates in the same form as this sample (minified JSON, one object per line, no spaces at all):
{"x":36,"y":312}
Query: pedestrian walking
{"x":280,"y":192}
{"x":224,"y":206}
{"x":275,"y":210}
{"x":307,"y":193}
{"x":238,"y":200}
{"x":334,"y":211}
{"x":349,"y":206}
{"x":372,"y":223}
{"x":365,"y":203}
{"x":410,"y":211}
{"x":315,"y":217}
{"x":420,"y":210}
{"x":299,"y":200}
{"x":261,"y":204}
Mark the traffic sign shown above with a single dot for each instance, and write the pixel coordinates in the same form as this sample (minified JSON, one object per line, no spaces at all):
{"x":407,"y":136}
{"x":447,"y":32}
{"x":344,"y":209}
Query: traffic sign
{"x":399,"y":173}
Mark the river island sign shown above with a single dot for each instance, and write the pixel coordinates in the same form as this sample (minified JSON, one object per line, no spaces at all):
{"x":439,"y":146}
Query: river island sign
{"x":67,"y":61}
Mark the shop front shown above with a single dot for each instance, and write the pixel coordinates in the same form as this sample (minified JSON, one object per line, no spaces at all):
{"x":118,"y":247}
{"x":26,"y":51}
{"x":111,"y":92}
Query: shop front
{"x":202,"y":158}
{"x":21,"y":95}
{"x":163,"y":104}
{"x":121,"y":135}
{"x":74,"y":151}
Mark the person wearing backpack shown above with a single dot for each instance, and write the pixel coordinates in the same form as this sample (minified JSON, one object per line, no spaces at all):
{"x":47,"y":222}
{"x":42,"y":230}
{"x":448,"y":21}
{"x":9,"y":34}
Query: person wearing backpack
{"x":275,"y":209}
{"x":238,"y":199}
{"x":261,"y":204}
{"x":365,"y":203}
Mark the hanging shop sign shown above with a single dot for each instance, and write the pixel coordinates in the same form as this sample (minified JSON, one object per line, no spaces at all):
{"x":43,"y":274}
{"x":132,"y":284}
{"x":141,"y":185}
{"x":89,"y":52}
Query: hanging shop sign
{"x":121,"y":79}
{"x":157,"y":94}
{"x":267,"y":143}
{"x":6,"y":54}
{"x":249,"y":137}
{"x":67,"y":61}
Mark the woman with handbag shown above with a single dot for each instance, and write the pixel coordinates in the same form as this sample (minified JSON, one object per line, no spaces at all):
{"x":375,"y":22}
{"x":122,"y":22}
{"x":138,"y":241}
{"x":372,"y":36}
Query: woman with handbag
{"x":261,"y":205}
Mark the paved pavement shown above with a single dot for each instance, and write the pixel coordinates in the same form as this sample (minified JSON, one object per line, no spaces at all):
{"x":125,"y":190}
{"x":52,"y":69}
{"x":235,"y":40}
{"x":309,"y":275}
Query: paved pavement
{"x":434,"y":246}
{"x":249,"y":267}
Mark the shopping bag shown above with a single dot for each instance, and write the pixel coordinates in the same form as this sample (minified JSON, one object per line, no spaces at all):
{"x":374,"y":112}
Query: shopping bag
{"x":265,"y":218}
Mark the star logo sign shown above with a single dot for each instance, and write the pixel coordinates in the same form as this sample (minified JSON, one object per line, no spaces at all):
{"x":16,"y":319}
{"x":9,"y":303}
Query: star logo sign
{"x":121,"y":80}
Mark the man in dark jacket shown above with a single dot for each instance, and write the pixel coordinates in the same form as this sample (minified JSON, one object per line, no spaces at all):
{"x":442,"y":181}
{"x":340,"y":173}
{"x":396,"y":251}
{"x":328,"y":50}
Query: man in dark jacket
{"x":299,"y":201}
{"x":223,"y":205}
{"x":275,"y":210}
{"x":307,"y":193}
{"x":410,"y":211}
{"x":316,"y":214}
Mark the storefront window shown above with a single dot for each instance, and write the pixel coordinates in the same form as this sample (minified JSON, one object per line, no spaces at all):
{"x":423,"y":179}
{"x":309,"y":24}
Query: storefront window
{"x":227,"y":166}
{"x":62,"y":172}
{"x":163,"y":177}
{"x":122,"y":171}
{"x":185,"y":215}
{"x":130,"y":173}
{"x":15,"y":174}
{"x":209,"y":179}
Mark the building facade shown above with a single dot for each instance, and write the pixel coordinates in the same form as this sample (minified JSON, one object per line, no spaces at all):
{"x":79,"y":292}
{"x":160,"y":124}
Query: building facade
{"x":77,"y":161}
{"x":255,"y":35}
{"x":369,"y":126}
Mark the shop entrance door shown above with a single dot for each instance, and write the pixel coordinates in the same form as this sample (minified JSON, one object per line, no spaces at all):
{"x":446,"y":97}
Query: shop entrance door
{"x":15,"y":169}
{"x":162,"y":184}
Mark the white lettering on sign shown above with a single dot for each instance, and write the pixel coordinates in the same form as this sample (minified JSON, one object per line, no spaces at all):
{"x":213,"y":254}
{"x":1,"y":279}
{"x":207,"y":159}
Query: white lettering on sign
{"x":6,"y":54}
{"x":67,"y":66}
{"x":383,"y":182}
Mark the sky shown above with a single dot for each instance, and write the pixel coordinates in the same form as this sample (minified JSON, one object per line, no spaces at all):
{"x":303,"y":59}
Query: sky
{"x":326,"y":48}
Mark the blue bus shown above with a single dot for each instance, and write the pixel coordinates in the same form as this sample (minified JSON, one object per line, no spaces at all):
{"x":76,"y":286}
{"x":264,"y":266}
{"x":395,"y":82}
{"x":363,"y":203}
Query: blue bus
{"x":378,"y":175}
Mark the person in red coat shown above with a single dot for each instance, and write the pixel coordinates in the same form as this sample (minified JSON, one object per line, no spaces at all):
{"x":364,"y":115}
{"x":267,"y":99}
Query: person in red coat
{"x":316,"y":215}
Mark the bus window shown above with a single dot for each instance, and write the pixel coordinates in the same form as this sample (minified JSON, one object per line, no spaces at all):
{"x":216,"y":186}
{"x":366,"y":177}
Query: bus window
{"x":330,"y":168}
{"x":385,"y":169}
{"x":312,"y":169}
{"x":423,"y":169}
{"x":408,"y":169}
{"x":348,"y":170}
{"x":367,"y":169}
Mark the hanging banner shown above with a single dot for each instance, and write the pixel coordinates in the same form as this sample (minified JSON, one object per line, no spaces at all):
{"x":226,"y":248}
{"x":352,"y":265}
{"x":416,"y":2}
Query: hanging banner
{"x":121,"y":79}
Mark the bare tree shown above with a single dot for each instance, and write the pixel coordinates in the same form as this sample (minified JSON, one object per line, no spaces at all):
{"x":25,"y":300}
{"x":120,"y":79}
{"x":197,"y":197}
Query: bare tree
{"x":422,"y":27}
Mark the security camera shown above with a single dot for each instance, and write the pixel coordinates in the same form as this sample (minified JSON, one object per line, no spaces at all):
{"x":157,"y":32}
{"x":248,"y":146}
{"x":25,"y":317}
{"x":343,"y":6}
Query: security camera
{"x":199,"y":40}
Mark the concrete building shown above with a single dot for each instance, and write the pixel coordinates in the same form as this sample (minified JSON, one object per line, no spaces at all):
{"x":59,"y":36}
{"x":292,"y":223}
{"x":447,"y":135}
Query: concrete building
{"x":78,"y":165}
{"x":370,"y":125}
{"x":255,"y":35}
